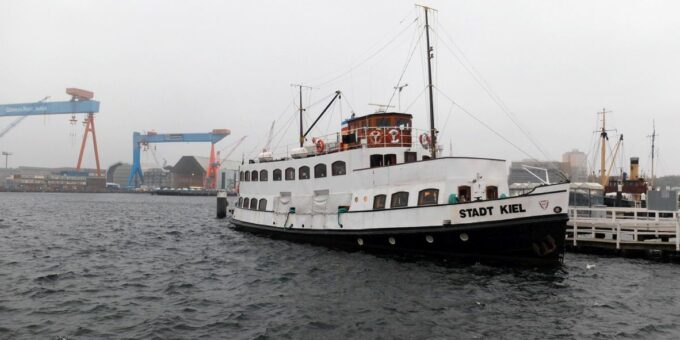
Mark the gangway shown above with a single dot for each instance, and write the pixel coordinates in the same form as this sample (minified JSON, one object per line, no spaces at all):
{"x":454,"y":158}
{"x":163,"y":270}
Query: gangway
{"x":136,"y":177}
{"x":81,"y":102}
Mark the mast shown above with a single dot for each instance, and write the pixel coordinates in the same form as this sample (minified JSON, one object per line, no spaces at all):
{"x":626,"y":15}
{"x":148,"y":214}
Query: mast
{"x":301,"y":109}
{"x":653,"y":136}
{"x":430,"y":55}
{"x":603,"y":151}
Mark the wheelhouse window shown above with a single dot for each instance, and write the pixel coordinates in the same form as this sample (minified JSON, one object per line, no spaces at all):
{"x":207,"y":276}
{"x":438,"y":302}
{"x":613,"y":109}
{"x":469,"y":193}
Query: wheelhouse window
{"x":464,"y":193}
{"x":262,"y":205}
{"x":320,"y":171}
{"x":247,"y":176}
{"x":338,"y":168}
{"x":264,"y":176}
{"x":304,"y":172}
{"x":253,"y":204}
{"x":428,"y":197}
{"x":379,"y":202}
{"x":390,"y":159}
{"x":254,"y":176}
{"x":290,"y":174}
{"x":491,"y":192}
{"x":376,"y":161}
{"x":277,"y":175}
{"x":246,"y":203}
{"x":399,"y":199}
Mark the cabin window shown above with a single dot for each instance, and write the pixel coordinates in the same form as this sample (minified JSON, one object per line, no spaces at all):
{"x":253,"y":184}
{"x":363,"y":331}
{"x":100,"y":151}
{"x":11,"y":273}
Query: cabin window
{"x":491,"y":192}
{"x":253,"y":204}
{"x":464,"y":193}
{"x":376,"y":161}
{"x":240,"y":176}
{"x":264,"y":176}
{"x":379,"y":202}
{"x":390,"y":159}
{"x":410,"y":157}
{"x":290,"y":174}
{"x":247,"y":176}
{"x":426,"y":157}
{"x":240,"y":202}
{"x":320,"y":171}
{"x":246,"y":203}
{"x":253,"y":177}
{"x":304,"y":172}
{"x":338,"y":168}
{"x":262,"y":205}
{"x":399,"y":199}
{"x":277,"y":174}
{"x":428,"y":197}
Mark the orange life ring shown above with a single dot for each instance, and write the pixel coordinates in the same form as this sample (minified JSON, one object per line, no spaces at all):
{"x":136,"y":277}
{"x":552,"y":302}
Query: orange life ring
{"x":395,"y":136}
{"x":424,"y":140}
{"x":376,"y":136}
{"x":320,"y":146}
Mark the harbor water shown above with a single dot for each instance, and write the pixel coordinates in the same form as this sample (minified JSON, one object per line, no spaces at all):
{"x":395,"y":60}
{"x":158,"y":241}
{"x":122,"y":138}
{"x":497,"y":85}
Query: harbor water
{"x":132,"y":266}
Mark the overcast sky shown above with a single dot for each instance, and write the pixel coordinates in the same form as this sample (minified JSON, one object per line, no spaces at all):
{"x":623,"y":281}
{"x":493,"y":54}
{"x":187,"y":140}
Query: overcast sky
{"x":192,"y":66}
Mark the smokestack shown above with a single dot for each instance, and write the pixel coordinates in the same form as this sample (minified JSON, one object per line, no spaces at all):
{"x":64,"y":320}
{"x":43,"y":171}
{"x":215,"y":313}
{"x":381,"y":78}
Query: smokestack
{"x":634,"y":168}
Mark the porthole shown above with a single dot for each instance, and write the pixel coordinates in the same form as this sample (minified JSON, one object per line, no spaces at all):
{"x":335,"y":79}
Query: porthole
{"x":429,"y":238}
{"x":392,"y":241}
{"x":464,"y":237}
{"x":360,"y":241}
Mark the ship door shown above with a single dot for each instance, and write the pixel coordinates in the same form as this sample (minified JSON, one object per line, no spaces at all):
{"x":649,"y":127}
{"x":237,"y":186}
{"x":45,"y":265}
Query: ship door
{"x":319,"y":208}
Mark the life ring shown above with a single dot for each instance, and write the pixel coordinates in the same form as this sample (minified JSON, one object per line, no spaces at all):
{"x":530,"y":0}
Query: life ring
{"x":376,"y":135}
{"x":395,"y":136}
{"x":424,"y":140}
{"x":320,"y":146}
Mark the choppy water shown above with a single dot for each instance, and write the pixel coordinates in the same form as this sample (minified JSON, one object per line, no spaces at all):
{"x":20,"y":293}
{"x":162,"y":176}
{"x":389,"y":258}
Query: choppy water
{"x":112,"y":266}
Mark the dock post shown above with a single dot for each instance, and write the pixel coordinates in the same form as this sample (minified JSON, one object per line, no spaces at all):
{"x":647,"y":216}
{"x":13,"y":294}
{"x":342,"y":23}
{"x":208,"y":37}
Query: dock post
{"x":221,"y":204}
{"x":677,"y":234}
{"x":618,"y":236}
{"x":575,"y":233}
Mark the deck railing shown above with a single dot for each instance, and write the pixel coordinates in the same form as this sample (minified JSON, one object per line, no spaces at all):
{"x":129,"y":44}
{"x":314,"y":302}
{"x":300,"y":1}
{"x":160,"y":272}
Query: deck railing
{"x":637,"y":228}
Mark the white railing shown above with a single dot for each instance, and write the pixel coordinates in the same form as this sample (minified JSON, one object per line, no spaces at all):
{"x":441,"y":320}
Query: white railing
{"x":371,"y":137}
{"x":631,"y":227}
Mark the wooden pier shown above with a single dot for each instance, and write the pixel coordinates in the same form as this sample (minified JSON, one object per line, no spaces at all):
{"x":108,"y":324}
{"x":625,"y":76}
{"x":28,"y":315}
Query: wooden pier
{"x":624,"y":231}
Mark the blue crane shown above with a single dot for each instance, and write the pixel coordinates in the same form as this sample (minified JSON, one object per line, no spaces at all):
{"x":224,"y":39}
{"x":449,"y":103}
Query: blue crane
{"x":81,"y":102}
{"x":139,"y":140}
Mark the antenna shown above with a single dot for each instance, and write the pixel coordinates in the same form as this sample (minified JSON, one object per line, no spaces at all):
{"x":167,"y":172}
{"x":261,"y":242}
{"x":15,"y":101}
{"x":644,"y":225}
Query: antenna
{"x":381,"y":108}
{"x":399,"y":89}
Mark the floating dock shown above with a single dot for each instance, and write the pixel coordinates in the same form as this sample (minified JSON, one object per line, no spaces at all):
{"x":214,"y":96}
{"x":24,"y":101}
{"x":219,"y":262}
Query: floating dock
{"x":624,"y":231}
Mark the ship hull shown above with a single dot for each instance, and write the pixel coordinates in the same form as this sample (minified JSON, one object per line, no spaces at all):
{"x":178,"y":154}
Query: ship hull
{"x":523,"y":241}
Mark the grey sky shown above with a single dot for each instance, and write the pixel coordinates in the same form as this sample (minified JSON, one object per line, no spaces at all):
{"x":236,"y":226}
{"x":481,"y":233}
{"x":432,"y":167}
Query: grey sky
{"x":191,"y":66}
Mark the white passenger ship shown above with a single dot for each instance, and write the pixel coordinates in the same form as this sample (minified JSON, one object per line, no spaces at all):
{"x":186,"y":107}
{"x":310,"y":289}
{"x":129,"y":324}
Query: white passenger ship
{"x":379,"y":185}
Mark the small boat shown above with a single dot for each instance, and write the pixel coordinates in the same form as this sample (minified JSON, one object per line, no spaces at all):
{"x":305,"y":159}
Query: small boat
{"x":381,"y":185}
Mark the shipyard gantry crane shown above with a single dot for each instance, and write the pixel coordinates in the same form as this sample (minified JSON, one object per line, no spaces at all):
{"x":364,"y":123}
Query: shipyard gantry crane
{"x":81,"y":102}
{"x":136,"y":177}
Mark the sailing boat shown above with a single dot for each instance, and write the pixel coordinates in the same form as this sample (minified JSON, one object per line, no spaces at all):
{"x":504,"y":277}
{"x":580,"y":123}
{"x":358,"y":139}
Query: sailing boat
{"x":380,"y":185}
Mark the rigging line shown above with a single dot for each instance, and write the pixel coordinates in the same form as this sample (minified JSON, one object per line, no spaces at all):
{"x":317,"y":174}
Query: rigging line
{"x":408,"y":62}
{"x":485,"y":125}
{"x":368,"y":50}
{"x":367,"y":59}
{"x":487,"y":89}
{"x":416,"y":99}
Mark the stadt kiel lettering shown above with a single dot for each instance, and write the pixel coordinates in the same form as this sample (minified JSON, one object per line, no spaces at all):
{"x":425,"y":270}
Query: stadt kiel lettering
{"x":489,"y":211}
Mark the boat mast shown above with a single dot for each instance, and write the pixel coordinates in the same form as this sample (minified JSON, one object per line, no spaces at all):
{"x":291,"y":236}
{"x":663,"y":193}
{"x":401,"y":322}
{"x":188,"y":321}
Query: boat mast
{"x":301,"y":109}
{"x":603,"y":150}
{"x":430,"y":55}
{"x":653,"y":136}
